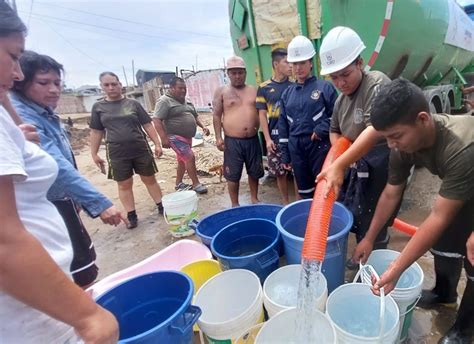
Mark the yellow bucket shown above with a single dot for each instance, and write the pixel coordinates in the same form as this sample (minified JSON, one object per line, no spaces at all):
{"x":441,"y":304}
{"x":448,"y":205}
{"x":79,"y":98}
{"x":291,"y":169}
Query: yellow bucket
{"x":200,"y":271}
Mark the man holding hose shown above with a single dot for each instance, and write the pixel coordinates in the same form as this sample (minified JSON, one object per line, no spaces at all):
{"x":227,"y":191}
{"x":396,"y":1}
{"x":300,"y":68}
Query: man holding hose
{"x":445,"y":146}
{"x":360,"y":172}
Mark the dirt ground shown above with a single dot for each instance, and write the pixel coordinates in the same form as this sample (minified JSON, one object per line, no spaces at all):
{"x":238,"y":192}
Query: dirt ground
{"x":118,"y":248}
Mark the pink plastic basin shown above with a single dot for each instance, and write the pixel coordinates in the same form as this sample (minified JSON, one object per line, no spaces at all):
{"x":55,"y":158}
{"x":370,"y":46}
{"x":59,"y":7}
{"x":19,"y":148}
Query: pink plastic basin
{"x":173,"y":257}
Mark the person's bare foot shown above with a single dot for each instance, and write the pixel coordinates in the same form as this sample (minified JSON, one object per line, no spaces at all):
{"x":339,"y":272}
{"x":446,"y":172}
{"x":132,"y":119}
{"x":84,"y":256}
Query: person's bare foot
{"x":235,"y":205}
{"x":255,"y":201}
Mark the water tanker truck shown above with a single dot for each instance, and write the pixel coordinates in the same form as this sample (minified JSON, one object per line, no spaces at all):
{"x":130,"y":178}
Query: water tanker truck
{"x":430,"y":42}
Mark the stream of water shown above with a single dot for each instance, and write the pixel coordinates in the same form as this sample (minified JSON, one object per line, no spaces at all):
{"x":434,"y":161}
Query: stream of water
{"x":306,"y":306}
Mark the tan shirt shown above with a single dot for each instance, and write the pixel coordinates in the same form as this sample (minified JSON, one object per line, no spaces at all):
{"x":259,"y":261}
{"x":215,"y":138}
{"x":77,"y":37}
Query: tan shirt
{"x":451,"y":158}
{"x":351,"y":114}
{"x":178,"y":118}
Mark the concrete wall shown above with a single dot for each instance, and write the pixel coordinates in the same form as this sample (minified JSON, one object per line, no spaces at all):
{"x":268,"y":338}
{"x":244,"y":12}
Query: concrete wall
{"x":88,"y":101}
{"x":70,"y":104}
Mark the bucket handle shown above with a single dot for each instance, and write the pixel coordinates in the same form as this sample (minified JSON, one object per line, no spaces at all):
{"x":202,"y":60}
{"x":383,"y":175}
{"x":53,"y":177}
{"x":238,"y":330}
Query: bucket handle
{"x":412,"y":306}
{"x":374,"y":273}
{"x":362,"y":268}
{"x":195,"y":313}
{"x":193,"y":224}
{"x":268,"y":259}
{"x":165,"y":216}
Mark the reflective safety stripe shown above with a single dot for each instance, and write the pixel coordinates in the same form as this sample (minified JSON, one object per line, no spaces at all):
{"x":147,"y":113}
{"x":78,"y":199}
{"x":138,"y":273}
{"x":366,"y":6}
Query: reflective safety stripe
{"x":83,"y":268}
{"x":318,"y":116}
{"x":446,"y":254}
{"x":283,"y":140}
{"x":306,"y":191}
{"x":290,"y":119}
{"x":363,"y":174}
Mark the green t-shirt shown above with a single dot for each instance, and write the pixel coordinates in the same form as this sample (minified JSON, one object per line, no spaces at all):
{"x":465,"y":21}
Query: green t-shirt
{"x":178,"y":118}
{"x":351,"y":114}
{"x":122,"y":121}
{"x":451,"y":158}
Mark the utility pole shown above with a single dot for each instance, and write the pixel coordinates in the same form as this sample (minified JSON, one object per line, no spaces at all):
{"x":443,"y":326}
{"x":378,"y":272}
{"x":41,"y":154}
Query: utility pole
{"x":133,"y":73}
{"x":125,"y":74}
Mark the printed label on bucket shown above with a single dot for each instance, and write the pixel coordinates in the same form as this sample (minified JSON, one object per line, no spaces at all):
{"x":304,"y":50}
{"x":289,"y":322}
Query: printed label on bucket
{"x":179,"y":224}
{"x":217,"y":341}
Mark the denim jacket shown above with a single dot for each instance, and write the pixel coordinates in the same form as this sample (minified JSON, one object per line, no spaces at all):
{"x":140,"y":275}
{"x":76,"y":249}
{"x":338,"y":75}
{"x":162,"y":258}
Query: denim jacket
{"x":69,"y":184}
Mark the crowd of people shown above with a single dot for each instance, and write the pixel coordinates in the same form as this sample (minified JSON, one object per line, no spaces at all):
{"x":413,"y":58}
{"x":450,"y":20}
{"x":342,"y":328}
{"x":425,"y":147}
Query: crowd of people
{"x":388,"y":122}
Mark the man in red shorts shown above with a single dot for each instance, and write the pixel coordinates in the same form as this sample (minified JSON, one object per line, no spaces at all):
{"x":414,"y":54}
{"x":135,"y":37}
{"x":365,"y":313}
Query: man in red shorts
{"x":175,"y":121}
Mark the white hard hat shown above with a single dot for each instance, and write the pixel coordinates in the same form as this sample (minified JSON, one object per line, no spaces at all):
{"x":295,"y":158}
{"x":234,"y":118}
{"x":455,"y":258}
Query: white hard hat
{"x":300,"y":49}
{"x":339,"y":49}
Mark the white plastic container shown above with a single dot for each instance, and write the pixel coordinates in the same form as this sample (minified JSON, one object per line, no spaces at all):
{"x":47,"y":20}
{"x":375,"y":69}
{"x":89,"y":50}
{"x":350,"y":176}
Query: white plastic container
{"x":407,"y":292}
{"x":231,"y":303}
{"x":179,"y":209}
{"x":355,"y":313}
{"x":281,"y":329}
{"x":280,"y":290}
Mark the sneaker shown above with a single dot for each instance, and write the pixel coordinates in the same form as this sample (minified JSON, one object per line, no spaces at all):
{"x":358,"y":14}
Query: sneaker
{"x":183,"y":187}
{"x":160,"y":208}
{"x":132,"y":222}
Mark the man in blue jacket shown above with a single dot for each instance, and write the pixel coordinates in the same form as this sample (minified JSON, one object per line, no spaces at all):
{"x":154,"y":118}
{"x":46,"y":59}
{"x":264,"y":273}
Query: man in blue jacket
{"x":306,"y":111}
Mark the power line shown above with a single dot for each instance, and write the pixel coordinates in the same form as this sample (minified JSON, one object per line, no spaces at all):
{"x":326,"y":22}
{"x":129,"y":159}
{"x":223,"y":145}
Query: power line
{"x":72,"y":45}
{"x":133,"y":22}
{"x":39,"y":16}
{"x":29,"y":16}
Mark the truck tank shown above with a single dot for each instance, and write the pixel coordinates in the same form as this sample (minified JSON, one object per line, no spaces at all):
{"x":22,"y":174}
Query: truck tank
{"x":430,"y":42}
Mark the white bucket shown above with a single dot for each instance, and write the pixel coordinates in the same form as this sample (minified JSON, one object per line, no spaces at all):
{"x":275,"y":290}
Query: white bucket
{"x":248,"y":337}
{"x":280,"y":290}
{"x":179,"y":209}
{"x":355,"y":313}
{"x":407,"y":292}
{"x":231,"y":303}
{"x":281,"y":329}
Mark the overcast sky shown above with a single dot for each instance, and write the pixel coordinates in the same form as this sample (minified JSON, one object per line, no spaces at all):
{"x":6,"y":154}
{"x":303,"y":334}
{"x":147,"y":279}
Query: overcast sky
{"x":91,"y":36}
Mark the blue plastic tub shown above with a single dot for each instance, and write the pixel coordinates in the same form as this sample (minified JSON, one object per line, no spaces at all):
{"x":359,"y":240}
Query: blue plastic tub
{"x":209,"y":226}
{"x":291,"y":221}
{"x":248,"y":244}
{"x":153,"y":308}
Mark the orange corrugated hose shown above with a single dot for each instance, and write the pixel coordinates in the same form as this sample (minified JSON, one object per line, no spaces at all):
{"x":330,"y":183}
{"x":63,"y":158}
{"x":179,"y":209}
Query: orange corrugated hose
{"x":315,"y":239}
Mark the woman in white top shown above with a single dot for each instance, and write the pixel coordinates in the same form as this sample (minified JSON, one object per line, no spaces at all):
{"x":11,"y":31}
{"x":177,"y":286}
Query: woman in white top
{"x":39,"y":303}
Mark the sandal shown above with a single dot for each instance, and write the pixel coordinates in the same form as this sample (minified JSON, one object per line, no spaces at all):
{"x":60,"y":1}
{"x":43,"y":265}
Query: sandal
{"x":183,"y":187}
{"x":200,"y":189}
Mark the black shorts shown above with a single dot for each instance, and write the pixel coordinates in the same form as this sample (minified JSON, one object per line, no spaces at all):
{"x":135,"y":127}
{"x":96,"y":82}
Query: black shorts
{"x":83,"y":268}
{"x":240,"y":151}
{"x":123,"y":169}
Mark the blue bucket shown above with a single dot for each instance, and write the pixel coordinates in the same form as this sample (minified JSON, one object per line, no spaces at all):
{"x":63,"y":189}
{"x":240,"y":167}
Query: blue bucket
{"x":248,"y":244}
{"x":153,"y":308}
{"x":210,"y":225}
{"x":291,"y":221}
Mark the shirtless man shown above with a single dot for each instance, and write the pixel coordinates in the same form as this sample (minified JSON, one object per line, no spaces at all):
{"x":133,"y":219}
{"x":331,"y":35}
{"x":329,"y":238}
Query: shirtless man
{"x":235,"y":112}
